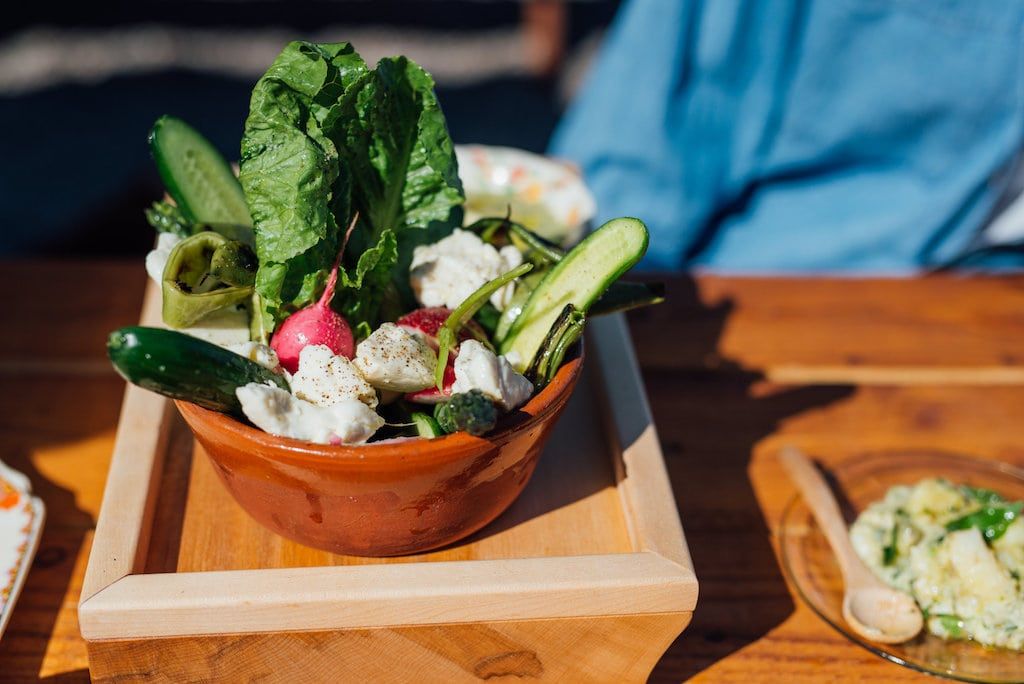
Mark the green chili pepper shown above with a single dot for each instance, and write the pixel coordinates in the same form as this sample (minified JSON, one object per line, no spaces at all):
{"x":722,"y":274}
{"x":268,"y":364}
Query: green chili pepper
{"x":533,"y":246}
{"x":190,"y":290}
{"x":233,"y":231}
{"x":564,"y":332}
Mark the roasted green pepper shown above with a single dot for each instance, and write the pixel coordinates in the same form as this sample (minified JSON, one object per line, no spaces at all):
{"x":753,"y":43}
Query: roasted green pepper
{"x":192,"y":289}
{"x":234,"y":264}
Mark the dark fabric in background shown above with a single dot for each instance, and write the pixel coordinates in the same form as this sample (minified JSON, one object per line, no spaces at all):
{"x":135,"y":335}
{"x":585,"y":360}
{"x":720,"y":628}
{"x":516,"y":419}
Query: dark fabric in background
{"x":75,"y":172}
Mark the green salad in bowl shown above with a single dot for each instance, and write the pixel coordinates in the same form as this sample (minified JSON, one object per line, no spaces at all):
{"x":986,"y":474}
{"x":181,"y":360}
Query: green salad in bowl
{"x":331,"y":292}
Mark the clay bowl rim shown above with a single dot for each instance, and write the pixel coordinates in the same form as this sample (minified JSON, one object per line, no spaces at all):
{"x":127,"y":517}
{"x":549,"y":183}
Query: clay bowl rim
{"x":441,"y":449}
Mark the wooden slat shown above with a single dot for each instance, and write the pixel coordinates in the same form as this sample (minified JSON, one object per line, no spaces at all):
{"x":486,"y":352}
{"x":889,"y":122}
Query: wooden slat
{"x":643,"y":481}
{"x":366,"y":596}
{"x":123,"y":527}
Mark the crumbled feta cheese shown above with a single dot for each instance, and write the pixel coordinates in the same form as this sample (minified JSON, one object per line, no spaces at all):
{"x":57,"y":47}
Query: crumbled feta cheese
{"x":448,"y":271}
{"x":260,"y":353}
{"x":156,"y":260}
{"x":325,"y":379}
{"x":392,"y":358}
{"x":476,"y":367}
{"x":276,"y":411}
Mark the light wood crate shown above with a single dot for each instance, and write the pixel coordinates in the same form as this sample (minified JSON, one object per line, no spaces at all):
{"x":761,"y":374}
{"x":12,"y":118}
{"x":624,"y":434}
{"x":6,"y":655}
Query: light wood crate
{"x":586,"y":577}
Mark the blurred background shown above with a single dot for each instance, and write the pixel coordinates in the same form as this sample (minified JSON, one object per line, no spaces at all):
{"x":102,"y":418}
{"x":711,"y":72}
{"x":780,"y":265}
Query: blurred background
{"x":80,"y":87}
{"x":813,"y":136}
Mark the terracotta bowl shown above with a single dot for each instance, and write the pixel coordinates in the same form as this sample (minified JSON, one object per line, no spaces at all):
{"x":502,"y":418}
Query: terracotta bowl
{"x":382,"y":499}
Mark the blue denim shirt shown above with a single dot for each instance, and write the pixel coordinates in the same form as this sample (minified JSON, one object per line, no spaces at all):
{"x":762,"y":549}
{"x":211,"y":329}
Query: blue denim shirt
{"x":823,"y":135}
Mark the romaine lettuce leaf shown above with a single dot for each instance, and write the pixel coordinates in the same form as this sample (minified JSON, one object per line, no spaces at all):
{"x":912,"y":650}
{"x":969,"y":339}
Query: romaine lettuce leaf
{"x":391,"y":133}
{"x":296,"y":191}
{"x":326,"y":137}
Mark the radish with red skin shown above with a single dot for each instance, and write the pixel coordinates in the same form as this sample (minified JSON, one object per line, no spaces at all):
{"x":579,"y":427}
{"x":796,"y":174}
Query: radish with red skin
{"x":316,"y":324}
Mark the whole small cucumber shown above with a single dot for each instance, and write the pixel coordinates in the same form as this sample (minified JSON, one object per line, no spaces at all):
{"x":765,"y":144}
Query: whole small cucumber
{"x":180,"y":366}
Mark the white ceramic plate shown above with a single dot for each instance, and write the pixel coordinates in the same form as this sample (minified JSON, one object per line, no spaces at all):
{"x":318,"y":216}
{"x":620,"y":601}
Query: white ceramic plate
{"x":546,"y":196}
{"x":21,"y":525}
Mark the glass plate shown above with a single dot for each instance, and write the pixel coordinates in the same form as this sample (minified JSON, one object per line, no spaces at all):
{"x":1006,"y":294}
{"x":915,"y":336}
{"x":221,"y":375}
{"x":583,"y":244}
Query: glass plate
{"x":810,"y":565}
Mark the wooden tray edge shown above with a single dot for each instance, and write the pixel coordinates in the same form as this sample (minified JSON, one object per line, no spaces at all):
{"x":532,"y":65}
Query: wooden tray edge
{"x":357,"y":597}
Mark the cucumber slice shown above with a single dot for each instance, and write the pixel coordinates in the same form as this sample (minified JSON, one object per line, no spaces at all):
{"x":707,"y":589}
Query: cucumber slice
{"x":580,"y":278}
{"x":426,"y":426}
{"x":195,"y":174}
{"x":526,"y":285}
{"x":180,"y":366}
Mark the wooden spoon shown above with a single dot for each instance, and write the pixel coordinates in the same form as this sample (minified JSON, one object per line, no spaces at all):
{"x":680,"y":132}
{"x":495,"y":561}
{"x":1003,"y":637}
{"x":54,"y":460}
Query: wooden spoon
{"x":873,"y":609}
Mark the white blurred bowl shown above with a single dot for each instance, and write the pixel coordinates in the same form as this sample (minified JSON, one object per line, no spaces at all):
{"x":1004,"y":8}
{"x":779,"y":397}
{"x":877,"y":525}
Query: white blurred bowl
{"x":546,"y":195}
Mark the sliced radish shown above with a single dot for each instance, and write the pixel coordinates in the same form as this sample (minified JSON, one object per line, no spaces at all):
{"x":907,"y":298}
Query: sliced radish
{"x":428,"y":322}
{"x":432,"y":395}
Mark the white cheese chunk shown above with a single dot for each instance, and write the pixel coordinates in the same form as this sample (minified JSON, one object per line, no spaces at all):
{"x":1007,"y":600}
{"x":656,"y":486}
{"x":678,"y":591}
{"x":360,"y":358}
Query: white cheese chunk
{"x":392,"y":358}
{"x":276,"y":411}
{"x":157,"y":258}
{"x":325,"y":379}
{"x":260,"y":353}
{"x":476,"y":367}
{"x":448,"y":271}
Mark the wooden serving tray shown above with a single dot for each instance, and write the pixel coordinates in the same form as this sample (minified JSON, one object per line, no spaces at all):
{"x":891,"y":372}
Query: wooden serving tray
{"x":586,"y":577}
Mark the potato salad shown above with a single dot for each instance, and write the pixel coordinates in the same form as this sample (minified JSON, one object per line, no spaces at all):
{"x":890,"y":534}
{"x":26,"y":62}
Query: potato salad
{"x":958,"y":550}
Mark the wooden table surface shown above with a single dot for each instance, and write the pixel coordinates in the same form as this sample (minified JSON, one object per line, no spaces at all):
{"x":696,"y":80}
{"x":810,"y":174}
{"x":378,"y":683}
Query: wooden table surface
{"x":734,"y":369}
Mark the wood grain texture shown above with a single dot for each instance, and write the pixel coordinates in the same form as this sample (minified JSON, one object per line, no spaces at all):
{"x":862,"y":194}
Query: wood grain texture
{"x":88,"y":299}
{"x":386,"y":595}
{"x":821,"y":330}
{"x":721,"y":439}
{"x":719,"y":428}
{"x":143,"y":430}
{"x":610,"y":649}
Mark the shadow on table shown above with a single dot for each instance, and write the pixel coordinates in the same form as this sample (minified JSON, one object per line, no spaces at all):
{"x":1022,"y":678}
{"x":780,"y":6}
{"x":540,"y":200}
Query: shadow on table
{"x":709,"y":422}
{"x":32,"y":434}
